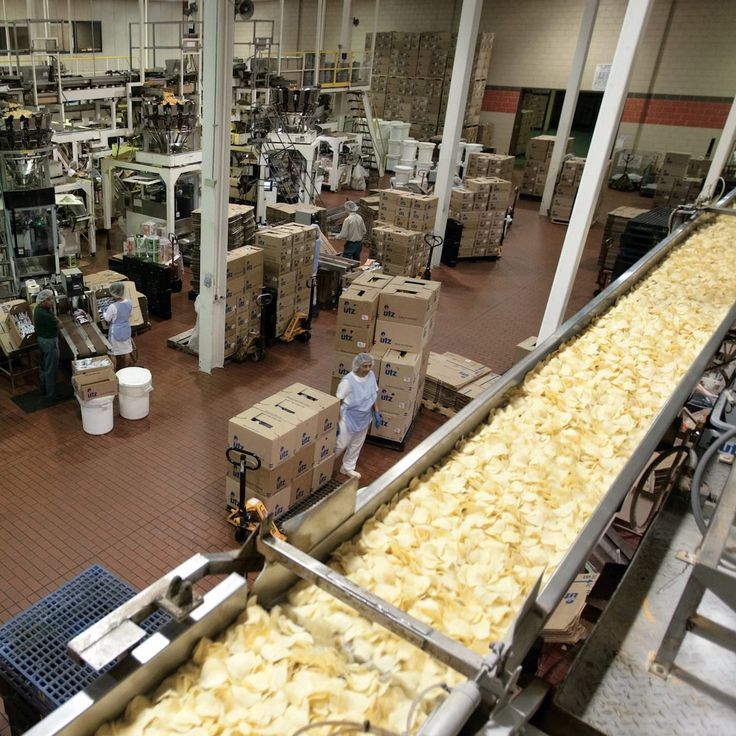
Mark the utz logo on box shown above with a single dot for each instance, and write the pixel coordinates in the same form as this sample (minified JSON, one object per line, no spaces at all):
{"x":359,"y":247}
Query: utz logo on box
{"x":346,"y":336}
{"x":283,"y":453}
{"x":324,"y":452}
{"x":322,"y":479}
{"x":328,"y":425}
{"x":386,"y":396}
{"x":384,"y":339}
{"x":237,"y":444}
{"x":387,"y":311}
{"x":342,"y":369}
{"x":389,"y":371}
{"x":280,"y":482}
{"x":279,"y":509}
{"x":301,"y":467}
{"x":384,"y":423}
{"x":348,"y":309}
{"x":306,"y":438}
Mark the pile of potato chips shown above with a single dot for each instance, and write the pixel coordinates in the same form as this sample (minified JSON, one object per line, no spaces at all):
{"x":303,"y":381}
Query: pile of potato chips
{"x":461,"y":548}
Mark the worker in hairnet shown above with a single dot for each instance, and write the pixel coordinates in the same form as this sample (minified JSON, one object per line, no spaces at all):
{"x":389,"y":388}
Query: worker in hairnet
{"x":357,"y":392}
{"x":353,"y":231}
{"x":117,"y":315}
{"x":46,"y":325}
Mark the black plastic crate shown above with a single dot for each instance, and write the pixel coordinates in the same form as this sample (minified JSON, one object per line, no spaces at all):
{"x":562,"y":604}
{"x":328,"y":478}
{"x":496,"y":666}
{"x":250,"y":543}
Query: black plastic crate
{"x":642,"y":233}
{"x":34,"y":662}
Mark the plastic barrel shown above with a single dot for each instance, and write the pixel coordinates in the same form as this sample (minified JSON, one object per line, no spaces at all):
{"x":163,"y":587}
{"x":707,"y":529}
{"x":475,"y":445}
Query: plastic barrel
{"x":97,"y":414}
{"x":134,"y":385}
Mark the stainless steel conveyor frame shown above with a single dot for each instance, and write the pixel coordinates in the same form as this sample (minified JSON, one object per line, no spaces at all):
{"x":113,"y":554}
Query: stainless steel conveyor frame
{"x":336,"y":519}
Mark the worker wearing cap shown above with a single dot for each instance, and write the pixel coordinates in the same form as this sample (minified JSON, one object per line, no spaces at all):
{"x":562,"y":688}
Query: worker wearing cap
{"x":353,"y":231}
{"x":46,"y":326}
{"x":357,"y":392}
{"x":117,"y":315}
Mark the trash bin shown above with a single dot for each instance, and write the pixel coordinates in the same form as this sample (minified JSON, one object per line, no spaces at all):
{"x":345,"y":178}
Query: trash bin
{"x":134,"y":385}
{"x":97,"y":414}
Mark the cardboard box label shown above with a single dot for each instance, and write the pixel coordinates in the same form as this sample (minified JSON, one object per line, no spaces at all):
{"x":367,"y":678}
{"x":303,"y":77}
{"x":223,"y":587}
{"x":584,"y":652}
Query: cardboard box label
{"x":406,"y":304}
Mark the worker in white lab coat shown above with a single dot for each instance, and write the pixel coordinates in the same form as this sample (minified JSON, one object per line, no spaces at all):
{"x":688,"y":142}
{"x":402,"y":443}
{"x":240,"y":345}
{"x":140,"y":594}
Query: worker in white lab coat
{"x":353,"y":231}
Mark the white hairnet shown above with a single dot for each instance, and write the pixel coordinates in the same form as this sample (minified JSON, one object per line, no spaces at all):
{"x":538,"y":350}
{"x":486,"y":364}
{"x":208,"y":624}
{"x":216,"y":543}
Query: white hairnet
{"x":361,"y":358}
{"x":350,"y":206}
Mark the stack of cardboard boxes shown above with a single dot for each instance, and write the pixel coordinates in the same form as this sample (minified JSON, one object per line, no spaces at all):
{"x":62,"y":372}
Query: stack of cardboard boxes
{"x":242,"y":303}
{"x":288,"y":262}
{"x":674,"y":184}
{"x":489,"y":164}
{"x":447,"y":375}
{"x":538,"y":155}
{"x":94,"y":378}
{"x":293,"y":433}
{"x":280,"y":212}
{"x":397,"y":236}
{"x":410,"y":80}
{"x":566,"y":189}
{"x":241,"y":229}
{"x":480,"y":206}
{"x":393,"y":319}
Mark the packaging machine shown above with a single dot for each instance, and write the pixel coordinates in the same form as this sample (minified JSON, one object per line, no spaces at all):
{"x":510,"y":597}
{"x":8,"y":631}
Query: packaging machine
{"x":493,"y":688}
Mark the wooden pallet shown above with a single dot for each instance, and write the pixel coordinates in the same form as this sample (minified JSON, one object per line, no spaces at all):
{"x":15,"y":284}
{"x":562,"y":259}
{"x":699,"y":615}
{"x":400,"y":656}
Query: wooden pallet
{"x":181,"y":341}
{"x":446,"y":411}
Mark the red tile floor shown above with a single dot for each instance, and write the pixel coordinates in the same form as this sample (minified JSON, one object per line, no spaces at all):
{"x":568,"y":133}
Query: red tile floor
{"x":148,"y":495}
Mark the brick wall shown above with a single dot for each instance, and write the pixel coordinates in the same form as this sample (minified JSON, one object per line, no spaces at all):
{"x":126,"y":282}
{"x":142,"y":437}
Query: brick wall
{"x":691,"y":113}
{"x":501,"y":100}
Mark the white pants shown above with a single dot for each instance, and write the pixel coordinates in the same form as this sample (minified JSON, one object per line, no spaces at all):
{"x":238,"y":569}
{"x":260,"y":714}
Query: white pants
{"x":351,"y":443}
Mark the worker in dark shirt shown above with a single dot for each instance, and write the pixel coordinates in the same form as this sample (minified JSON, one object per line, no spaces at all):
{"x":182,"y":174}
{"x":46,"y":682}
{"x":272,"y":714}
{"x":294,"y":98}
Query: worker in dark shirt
{"x":47,"y":337}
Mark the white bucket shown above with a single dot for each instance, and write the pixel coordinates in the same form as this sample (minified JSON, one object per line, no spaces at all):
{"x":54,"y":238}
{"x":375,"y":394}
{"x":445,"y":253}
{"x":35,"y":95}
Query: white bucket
{"x":460,"y":152}
{"x":134,"y":385}
{"x":472,"y":148}
{"x":399,"y":130}
{"x":391,"y":163}
{"x":394,"y":149}
{"x":384,"y":127}
{"x":409,"y":163}
{"x":425,"y":152}
{"x":409,"y":149}
{"x":403,"y":173}
{"x":97,"y":416}
{"x":423,"y":166}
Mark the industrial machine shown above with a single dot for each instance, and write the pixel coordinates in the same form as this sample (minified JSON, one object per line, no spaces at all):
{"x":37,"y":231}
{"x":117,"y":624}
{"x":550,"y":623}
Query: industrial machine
{"x":495,"y":685}
{"x":29,"y":232}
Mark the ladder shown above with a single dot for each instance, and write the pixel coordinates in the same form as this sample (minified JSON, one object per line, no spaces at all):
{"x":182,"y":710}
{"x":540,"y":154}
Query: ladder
{"x":364,"y":123}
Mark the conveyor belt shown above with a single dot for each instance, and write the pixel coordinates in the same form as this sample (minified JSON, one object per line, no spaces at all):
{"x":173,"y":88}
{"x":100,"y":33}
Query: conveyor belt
{"x":531,"y":617}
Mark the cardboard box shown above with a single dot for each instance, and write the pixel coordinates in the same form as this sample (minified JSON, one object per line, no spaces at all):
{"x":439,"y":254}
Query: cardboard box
{"x":277,"y":504}
{"x":400,"y":369}
{"x":328,"y":406}
{"x":401,"y":336}
{"x":301,"y":487}
{"x":342,"y":364}
{"x":304,"y":460}
{"x":304,"y":418}
{"x":324,"y":447}
{"x":393,"y":426}
{"x":271,"y":438}
{"x":95,"y":385}
{"x":354,"y":340}
{"x":13,"y":311}
{"x":407,"y":304}
{"x":89,"y":366}
{"x":322,"y":472}
{"x":397,"y":400}
{"x":357,"y":306}
{"x":266,"y":481}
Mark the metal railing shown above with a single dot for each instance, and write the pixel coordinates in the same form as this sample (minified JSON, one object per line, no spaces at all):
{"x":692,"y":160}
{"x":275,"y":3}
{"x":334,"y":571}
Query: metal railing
{"x":334,"y":72}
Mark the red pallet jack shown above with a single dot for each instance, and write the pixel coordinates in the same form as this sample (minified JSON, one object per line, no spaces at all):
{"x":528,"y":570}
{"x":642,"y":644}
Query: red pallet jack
{"x":247,"y":515}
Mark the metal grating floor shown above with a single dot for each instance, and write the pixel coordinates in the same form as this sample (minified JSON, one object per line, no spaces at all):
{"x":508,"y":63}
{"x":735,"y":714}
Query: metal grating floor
{"x":610,"y":687}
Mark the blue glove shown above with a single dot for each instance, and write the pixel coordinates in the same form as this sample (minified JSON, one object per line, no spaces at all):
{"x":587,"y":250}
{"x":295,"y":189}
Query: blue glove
{"x":377,"y":418}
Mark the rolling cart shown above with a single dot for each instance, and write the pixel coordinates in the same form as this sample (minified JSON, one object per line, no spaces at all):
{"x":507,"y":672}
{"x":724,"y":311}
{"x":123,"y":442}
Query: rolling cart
{"x":433,"y":241}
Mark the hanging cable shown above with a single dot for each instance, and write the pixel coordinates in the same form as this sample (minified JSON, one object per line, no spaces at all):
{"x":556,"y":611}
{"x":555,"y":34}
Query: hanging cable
{"x":415,"y":704}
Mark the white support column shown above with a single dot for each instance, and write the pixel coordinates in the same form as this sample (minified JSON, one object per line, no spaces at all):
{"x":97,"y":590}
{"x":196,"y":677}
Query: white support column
{"x":142,"y":40}
{"x":376,"y":10}
{"x":318,"y":36}
{"x":590,"y":11}
{"x":720,"y":157}
{"x":346,"y":33}
{"x":217,"y":60}
{"x":281,"y":34}
{"x":632,"y":32}
{"x":462,"y":68}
